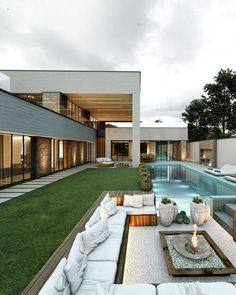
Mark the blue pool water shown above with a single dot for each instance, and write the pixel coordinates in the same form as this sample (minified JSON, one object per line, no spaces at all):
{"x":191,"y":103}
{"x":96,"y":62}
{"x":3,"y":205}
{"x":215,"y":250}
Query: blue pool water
{"x":181,"y":184}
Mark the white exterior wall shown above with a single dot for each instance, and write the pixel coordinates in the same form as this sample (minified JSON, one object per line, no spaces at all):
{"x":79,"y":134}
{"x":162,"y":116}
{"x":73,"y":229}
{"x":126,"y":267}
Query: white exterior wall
{"x":146,"y":133}
{"x":74,"y":81}
{"x":84,"y":82}
{"x":226,"y":152}
{"x":193,"y":151}
{"x":164,"y":133}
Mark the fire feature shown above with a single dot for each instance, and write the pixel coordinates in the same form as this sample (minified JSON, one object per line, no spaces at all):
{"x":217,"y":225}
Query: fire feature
{"x":191,"y":246}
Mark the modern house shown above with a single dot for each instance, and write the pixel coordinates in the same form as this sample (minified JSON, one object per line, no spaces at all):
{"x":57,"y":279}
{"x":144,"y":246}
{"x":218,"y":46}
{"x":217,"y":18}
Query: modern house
{"x":54,"y":120}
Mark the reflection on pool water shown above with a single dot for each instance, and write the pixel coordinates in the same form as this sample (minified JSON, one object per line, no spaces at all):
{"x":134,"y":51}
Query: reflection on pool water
{"x":181,"y":184}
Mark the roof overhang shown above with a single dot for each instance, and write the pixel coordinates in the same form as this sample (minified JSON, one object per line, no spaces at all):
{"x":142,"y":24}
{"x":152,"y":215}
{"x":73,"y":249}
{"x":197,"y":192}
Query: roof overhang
{"x":105,"y":107}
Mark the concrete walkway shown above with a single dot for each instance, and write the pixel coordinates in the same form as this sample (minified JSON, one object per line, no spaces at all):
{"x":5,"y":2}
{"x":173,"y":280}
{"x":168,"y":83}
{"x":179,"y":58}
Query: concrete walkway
{"x":25,"y":187}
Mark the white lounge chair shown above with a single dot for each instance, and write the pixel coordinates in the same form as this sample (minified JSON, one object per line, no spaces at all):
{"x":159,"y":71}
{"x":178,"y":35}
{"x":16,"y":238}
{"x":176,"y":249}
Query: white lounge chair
{"x":104,"y":162}
{"x":230,"y":178}
{"x":223,"y":171}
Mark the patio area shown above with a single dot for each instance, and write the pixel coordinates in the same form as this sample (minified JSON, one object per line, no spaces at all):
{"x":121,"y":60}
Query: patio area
{"x":145,"y":262}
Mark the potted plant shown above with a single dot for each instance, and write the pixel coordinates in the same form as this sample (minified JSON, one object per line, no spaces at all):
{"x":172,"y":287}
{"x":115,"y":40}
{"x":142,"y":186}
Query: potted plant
{"x":199,"y":211}
{"x":166,"y":211}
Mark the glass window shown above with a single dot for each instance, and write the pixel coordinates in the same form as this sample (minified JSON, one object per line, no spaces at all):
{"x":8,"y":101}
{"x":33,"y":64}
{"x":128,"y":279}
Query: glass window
{"x":143,"y":148}
{"x":5,"y":159}
{"x":61,"y":155}
{"x":120,"y":151}
{"x":27,"y":157}
{"x":17,"y":158}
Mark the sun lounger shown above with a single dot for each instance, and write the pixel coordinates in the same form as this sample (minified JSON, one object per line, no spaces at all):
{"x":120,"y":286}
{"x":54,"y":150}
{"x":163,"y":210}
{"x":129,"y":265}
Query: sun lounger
{"x":225,"y":170}
{"x":230,"y":178}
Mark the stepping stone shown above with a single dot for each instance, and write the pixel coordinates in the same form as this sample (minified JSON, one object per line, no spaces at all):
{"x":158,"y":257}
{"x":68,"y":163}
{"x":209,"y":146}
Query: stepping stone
{"x":9,"y":195}
{"x":2,"y":200}
{"x":27,"y":186}
{"x":18,"y":190}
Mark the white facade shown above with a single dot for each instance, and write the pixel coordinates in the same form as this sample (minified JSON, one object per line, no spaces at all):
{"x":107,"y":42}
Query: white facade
{"x":146,"y":133}
{"x":84,"y":82}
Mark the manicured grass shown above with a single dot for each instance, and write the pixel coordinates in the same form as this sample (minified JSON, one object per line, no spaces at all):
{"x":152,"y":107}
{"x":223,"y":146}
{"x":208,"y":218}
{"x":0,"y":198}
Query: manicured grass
{"x":34,"y":225}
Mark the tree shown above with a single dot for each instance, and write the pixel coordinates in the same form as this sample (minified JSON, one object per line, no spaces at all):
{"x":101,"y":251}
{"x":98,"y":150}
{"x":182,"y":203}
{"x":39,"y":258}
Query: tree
{"x":214,"y":114}
{"x":195,"y":115}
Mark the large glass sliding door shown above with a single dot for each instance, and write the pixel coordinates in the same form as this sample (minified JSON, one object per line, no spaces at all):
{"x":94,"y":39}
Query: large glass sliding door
{"x":162,"y":151}
{"x":15,"y":158}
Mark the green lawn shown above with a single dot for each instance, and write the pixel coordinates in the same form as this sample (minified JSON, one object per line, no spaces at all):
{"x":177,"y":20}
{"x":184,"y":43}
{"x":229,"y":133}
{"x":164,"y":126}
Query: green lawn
{"x":34,"y":225}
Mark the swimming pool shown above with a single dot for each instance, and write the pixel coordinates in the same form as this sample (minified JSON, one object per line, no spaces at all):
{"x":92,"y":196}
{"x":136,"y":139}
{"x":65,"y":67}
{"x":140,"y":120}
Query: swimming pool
{"x":181,"y":184}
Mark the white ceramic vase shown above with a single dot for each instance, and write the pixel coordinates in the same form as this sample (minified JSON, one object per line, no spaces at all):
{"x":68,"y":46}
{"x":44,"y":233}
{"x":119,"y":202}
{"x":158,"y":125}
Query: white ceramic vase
{"x":199,"y":213}
{"x":166,"y":213}
{"x":176,"y":211}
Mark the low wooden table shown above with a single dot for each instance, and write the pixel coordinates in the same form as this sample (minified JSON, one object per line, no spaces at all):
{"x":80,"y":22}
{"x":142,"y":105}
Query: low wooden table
{"x":226,"y":269}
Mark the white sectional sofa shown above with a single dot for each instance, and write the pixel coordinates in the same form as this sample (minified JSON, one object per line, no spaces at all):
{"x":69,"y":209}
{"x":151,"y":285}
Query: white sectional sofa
{"x":100,"y":264}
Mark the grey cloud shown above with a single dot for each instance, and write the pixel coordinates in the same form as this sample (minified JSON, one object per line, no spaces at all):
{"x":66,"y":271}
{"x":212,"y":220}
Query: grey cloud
{"x":109,"y":36}
{"x":181,"y":37}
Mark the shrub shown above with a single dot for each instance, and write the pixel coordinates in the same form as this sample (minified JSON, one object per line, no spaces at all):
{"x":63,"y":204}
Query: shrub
{"x":166,"y":201}
{"x":144,"y":179}
{"x":145,"y":186}
{"x":197,"y":200}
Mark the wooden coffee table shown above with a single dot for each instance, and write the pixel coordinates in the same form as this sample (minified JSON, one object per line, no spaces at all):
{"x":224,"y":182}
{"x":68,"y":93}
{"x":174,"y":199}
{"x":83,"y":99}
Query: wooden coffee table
{"x":217,"y":264}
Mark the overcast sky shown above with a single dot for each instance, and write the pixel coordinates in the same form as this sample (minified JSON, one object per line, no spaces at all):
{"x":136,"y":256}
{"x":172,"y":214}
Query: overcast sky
{"x":178,"y":45}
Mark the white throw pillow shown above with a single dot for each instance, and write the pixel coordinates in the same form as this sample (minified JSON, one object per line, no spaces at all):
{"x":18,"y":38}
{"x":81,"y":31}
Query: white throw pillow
{"x":105,"y":199}
{"x":94,"y":236}
{"x":107,"y":210}
{"x":76,"y":264}
{"x":93,"y":219}
{"x":148,"y":199}
{"x":105,"y":288}
{"x":133,"y":201}
{"x":57,"y":284}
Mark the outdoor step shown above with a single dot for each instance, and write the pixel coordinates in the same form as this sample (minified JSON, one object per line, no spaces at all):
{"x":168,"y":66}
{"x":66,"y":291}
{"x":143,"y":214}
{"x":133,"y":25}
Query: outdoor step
{"x":225,"y":220}
{"x":230,"y":209}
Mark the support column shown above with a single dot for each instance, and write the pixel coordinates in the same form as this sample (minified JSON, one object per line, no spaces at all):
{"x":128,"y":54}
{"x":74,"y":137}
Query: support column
{"x":136,"y":130}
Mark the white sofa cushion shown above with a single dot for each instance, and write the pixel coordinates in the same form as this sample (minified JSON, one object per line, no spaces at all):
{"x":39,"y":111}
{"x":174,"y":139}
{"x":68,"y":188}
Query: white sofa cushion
{"x":213,"y":288}
{"x":105,"y":199}
{"x":77,"y":246}
{"x":105,"y":289}
{"x":116,"y":229}
{"x":94,"y":236}
{"x":93,"y":219}
{"x":76,"y":264}
{"x":103,"y":271}
{"x":145,"y":210}
{"x":89,"y":287}
{"x":148,"y":199}
{"x":109,"y":250}
{"x":118,"y":218}
{"x":133,"y":201}
{"x":108,"y":209}
{"x":57,"y":283}
{"x":136,"y":289}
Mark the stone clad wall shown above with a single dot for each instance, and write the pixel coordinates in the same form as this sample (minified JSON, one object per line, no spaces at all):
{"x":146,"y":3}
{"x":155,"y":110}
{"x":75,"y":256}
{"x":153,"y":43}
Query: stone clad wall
{"x":41,"y":159}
